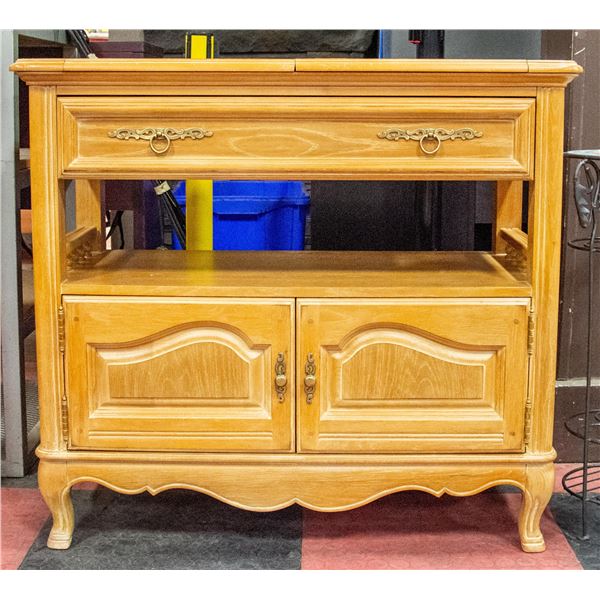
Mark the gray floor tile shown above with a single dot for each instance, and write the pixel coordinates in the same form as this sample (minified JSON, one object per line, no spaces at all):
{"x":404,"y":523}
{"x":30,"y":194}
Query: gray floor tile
{"x":567,"y":512}
{"x":177,"y":529}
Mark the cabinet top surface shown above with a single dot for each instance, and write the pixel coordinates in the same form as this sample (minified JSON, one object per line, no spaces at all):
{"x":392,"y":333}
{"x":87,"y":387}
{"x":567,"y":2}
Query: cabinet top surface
{"x":177,"y":65}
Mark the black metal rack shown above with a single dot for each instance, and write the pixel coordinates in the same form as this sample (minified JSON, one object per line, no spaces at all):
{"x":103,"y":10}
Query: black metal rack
{"x":584,"y":481}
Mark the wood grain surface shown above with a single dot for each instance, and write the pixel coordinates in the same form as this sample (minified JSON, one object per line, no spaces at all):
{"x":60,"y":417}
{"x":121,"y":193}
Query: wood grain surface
{"x":295,"y":274}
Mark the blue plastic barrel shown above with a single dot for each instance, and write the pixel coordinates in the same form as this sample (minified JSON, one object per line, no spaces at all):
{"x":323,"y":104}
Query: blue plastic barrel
{"x":257,"y":215}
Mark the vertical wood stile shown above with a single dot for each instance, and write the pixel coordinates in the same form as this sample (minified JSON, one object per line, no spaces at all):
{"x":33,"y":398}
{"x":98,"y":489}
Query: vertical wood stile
{"x":48,"y":231}
{"x":88,"y":207}
{"x":508,"y":213}
{"x":545,"y":210}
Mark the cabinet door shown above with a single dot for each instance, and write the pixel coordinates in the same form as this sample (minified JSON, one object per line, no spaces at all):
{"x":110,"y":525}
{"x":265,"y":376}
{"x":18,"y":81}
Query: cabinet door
{"x":412,"y":376}
{"x":179,"y":374}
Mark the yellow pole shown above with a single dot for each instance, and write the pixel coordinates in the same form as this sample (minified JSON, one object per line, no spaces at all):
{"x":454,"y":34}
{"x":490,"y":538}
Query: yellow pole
{"x":199,"y":193}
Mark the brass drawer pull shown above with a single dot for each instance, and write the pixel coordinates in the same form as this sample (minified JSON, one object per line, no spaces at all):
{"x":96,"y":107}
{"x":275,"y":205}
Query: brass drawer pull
{"x":280,"y":377}
{"x":310,"y":378}
{"x":162,"y":134}
{"x":429,"y":134}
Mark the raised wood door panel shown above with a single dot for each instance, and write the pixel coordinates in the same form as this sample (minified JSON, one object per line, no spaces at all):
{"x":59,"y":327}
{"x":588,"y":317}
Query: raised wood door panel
{"x":412,"y":375}
{"x":178,"y":374}
{"x":318,"y":138}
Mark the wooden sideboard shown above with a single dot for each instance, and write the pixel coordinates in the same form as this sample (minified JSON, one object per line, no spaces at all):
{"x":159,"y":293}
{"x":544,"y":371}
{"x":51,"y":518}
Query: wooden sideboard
{"x":327,"y":379}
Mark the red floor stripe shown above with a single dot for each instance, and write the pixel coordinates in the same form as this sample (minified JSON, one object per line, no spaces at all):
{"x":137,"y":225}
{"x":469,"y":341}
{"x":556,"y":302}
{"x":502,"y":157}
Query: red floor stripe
{"x":414,"y":530}
{"x":560,"y":470}
{"x":23,"y":515}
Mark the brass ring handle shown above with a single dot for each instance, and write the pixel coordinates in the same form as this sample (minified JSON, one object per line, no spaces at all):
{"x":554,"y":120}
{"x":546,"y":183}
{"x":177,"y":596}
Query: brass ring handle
{"x":425,"y":134}
{"x":280,"y":377}
{"x":152,"y":134}
{"x":430,"y":136}
{"x":160,"y":136}
{"x":310,"y":378}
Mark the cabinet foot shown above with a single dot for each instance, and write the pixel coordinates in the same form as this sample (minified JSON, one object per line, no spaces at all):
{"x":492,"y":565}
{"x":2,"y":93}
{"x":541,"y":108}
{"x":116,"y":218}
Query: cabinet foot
{"x":56,"y":492}
{"x":536,"y":495}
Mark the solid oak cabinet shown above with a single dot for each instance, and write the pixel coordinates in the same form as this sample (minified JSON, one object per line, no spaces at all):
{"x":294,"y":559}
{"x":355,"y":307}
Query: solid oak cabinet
{"x":326,"y":379}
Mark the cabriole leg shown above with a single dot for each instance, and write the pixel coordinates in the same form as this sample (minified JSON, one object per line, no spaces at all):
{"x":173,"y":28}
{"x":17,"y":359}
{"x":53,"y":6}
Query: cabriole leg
{"x":57,"y":495}
{"x":536,"y":495}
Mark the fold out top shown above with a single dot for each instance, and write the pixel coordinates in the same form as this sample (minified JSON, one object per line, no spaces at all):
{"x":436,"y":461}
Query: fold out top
{"x":169,"y":65}
{"x":392,"y":65}
{"x":354,"y":65}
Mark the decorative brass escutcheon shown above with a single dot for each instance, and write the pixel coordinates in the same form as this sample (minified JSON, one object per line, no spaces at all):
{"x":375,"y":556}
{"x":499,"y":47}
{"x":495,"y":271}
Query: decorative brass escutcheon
{"x":310,"y":378}
{"x":429,"y":134}
{"x":280,"y":377}
{"x":163,"y":135}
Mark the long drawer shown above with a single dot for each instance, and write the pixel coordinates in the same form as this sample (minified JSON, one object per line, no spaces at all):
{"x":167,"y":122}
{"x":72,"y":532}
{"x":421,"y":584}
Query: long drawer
{"x":316,"y":138}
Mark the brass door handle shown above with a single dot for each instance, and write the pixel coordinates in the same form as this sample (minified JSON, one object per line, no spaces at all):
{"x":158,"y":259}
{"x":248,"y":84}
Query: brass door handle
{"x":426,"y":135}
{"x":280,"y":377}
{"x":162,"y":135}
{"x":310,"y":378}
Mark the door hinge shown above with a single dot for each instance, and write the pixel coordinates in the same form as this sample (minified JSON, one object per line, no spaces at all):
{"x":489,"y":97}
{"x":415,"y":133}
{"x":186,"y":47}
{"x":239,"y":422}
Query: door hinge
{"x":64,"y":414}
{"x":527,"y":420}
{"x":61,"y":329}
{"x":530,"y":332}
{"x":528,"y":400}
{"x":64,"y":418}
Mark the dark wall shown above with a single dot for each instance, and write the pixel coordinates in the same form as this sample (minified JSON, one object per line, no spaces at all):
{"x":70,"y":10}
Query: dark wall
{"x":276,"y":42}
{"x":582,"y":131}
{"x":393,"y":215}
{"x":493,"y":43}
{"x":359,"y":215}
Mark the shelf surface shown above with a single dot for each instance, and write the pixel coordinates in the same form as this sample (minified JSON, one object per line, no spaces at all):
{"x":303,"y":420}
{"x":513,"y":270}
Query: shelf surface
{"x":295,"y":274}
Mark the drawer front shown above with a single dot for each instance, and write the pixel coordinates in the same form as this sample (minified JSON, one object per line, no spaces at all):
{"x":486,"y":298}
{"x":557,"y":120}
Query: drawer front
{"x":157,"y":374}
{"x":411,"y":376}
{"x":300,"y":138}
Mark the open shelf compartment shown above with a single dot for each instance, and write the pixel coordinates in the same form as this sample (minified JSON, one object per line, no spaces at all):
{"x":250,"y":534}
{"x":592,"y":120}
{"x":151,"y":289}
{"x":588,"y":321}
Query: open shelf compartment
{"x":295,"y":274}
